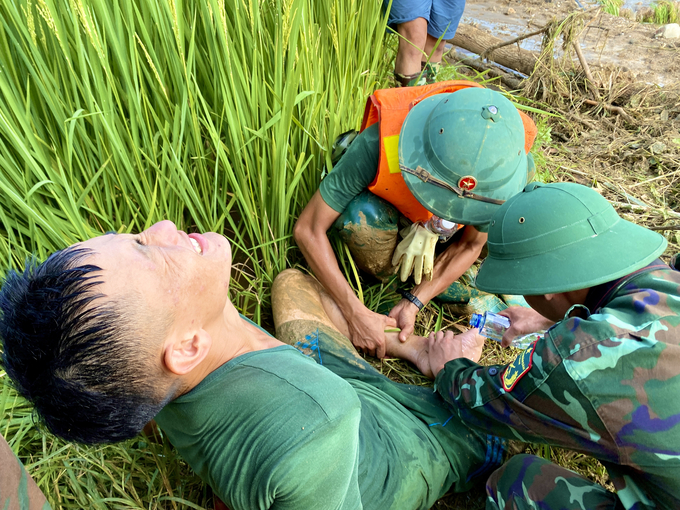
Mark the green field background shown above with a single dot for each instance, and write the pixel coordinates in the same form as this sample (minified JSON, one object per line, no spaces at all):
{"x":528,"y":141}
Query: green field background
{"x":217,"y":115}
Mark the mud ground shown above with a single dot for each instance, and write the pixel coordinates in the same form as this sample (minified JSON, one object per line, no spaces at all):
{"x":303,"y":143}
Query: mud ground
{"x":607,"y":40}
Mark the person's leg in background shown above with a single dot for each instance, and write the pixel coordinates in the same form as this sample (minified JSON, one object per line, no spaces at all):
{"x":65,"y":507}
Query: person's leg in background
{"x":407,"y":65}
{"x":444,"y":18}
{"x":409,"y":18}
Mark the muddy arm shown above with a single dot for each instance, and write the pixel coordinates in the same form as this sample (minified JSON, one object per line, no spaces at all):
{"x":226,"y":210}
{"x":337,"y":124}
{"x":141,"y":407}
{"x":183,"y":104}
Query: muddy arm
{"x":365,"y":327}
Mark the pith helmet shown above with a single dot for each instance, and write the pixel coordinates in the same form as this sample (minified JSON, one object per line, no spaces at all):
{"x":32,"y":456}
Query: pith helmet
{"x":561,"y":237}
{"x":472,"y":139}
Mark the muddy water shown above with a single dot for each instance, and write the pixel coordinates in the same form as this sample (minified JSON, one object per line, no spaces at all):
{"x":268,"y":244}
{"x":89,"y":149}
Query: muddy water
{"x":635,"y":5}
{"x":608,"y":41}
{"x":493,"y":17}
{"x":496,"y":22}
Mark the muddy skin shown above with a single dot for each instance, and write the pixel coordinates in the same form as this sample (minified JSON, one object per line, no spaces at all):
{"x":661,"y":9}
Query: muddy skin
{"x":369,"y":226}
{"x":296,"y":296}
{"x":371,"y":247}
{"x":301,"y":305}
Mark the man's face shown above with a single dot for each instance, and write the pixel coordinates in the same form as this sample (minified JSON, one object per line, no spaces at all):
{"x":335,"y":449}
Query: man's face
{"x":180,"y":277}
{"x":549,"y":306}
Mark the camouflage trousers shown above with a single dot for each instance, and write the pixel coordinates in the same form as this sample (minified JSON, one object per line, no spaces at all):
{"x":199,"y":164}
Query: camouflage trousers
{"x":369,"y":226}
{"x":528,"y":482}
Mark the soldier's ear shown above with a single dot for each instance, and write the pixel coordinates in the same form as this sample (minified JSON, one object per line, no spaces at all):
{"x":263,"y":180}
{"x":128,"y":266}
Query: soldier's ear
{"x":185,"y":352}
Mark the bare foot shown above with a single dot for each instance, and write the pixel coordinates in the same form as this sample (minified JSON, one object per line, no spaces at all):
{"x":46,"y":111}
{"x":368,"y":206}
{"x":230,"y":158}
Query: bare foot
{"x":472,"y":345}
{"x":414,"y":349}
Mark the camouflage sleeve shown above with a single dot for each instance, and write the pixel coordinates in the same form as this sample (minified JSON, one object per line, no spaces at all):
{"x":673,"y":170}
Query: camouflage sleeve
{"x":600,"y":385}
{"x":17,"y":489}
{"x":606,"y":386}
{"x":532,"y":399}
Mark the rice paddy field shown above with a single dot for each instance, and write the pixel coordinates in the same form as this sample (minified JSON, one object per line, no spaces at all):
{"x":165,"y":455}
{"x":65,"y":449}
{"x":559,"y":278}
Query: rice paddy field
{"x":220,"y":116}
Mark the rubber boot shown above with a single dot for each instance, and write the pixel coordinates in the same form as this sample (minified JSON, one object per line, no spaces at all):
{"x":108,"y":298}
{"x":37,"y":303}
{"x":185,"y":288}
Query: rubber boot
{"x":369,"y":226}
{"x":431,"y":71}
{"x":341,"y":144}
{"x":466,"y":299}
{"x":410,"y":80}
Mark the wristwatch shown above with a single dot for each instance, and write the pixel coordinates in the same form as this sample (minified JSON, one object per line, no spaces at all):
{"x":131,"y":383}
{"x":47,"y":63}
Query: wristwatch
{"x":407,"y":295}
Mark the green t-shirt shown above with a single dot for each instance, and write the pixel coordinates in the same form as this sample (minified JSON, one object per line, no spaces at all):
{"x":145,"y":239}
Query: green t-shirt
{"x":276,"y":429}
{"x":355,"y":170}
{"x":260,"y":430}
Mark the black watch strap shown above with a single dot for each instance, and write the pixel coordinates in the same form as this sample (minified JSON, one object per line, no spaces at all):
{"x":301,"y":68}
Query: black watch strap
{"x":407,"y":295}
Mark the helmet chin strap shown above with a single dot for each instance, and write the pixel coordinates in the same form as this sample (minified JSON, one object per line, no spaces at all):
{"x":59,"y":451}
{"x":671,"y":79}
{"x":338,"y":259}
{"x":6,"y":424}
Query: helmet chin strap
{"x":574,"y":307}
{"x":427,"y":177}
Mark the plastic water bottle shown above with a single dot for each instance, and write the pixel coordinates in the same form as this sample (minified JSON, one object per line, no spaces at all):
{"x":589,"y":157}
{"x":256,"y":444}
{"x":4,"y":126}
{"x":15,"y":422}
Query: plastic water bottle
{"x":493,"y":326}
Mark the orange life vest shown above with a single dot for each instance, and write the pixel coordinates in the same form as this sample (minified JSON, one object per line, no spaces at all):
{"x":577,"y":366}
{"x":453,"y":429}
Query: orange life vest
{"x":390,"y":107}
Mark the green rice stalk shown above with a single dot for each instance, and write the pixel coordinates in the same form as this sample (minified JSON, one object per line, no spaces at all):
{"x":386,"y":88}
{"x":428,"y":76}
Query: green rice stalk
{"x":216,"y":115}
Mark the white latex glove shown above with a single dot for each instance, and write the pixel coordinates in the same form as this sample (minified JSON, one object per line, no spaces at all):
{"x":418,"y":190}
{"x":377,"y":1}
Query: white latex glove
{"x":415,"y":252}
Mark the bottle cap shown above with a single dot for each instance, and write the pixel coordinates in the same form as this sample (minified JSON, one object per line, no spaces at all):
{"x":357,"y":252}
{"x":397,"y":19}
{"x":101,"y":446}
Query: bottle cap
{"x":476,"y":320}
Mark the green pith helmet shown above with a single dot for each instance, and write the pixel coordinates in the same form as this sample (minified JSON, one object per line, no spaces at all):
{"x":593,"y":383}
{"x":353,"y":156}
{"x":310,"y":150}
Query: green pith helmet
{"x":472,"y":139}
{"x":561,"y":237}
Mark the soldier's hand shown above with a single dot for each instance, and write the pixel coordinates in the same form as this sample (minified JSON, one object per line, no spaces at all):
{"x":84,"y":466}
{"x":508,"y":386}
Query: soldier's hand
{"x":442,"y":347}
{"x":367,"y":331}
{"x":523,"y":321}
{"x":405,"y":314}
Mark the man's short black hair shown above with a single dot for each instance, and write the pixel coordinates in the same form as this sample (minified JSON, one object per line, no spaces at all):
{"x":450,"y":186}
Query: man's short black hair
{"x":77,"y":357}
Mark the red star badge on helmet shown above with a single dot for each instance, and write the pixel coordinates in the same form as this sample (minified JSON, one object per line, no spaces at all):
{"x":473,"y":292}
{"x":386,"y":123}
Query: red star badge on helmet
{"x":467,"y":183}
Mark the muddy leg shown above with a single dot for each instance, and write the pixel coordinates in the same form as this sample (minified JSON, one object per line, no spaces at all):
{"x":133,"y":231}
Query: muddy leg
{"x":414,"y":350}
{"x":300,"y":297}
{"x":370,"y":227}
{"x":296,"y":296}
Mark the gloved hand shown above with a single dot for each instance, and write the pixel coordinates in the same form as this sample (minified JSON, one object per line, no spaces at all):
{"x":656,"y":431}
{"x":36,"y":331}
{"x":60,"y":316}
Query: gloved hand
{"x":415,"y":252}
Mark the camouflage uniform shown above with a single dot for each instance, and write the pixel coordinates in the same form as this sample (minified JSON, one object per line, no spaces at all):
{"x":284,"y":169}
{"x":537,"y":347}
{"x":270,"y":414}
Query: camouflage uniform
{"x":607,"y":386}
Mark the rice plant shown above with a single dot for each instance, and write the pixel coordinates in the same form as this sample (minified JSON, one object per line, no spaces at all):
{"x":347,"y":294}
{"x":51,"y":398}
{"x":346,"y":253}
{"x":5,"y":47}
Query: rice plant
{"x":662,"y":13}
{"x":612,"y":7}
{"x":217,"y":115}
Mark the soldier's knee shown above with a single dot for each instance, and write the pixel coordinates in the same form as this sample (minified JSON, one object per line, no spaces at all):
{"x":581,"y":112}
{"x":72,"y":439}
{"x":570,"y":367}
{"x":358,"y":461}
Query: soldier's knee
{"x":370,"y":226}
{"x":370,"y":212}
{"x":285,"y":276}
